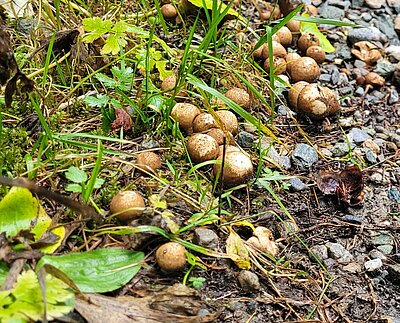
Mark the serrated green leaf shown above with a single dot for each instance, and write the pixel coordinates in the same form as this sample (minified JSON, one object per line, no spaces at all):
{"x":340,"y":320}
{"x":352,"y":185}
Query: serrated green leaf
{"x":18,"y":210}
{"x":120,"y":27}
{"x":124,"y":75}
{"x":111,"y":45}
{"x":106,"y":80}
{"x":76,"y":188}
{"x":310,"y":27}
{"x":76,"y":175}
{"x":97,"y":271}
{"x":100,"y":100}
{"x":160,"y":65}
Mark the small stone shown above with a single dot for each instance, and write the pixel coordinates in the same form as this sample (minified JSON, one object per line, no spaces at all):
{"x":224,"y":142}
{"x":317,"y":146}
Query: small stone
{"x":382,"y":239}
{"x":394,"y":194}
{"x":206,"y":238}
{"x":366,"y":16}
{"x":376,"y":178}
{"x":358,"y":136}
{"x":395,"y":4}
{"x":393,"y":96}
{"x":376,"y":254}
{"x":342,"y":148}
{"x":357,"y":3}
{"x":249,"y":281}
{"x":393,"y":52}
{"x":346,"y":122}
{"x":375,"y":4}
{"x":385,"y":249}
{"x":150,"y":144}
{"x":337,"y":251}
{"x":320,"y":251}
{"x":282,"y":161}
{"x":371,"y":145}
{"x":358,"y":116}
{"x":359,"y":91}
{"x":368,"y":33}
{"x":352,"y":267}
{"x":370,"y":157}
{"x":304,"y":156}
{"x":386,"y":25}
{"x":297,"y":184}
{"x":330,"y":12}
{"x":329,"y":263}
{"x":373,"y":264}
{"x":391,"y":146}
{"x":385,"y":68}
{"x":245,"y":139}
{"x":325,"y":78}
{"x":352,"y":219}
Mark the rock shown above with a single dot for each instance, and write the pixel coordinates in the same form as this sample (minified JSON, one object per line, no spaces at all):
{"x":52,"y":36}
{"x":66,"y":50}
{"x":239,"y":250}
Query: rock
{"x":352,"y":219}
{"x":297,"y":184}
{"x":376,"y":254}
{"x":329,"y":263}
{"x":330,"y":12}
{"x":342,"y":148}
{"x":338,"y":252}
{"x":394,"y":273}
{"x":370,"y":157}
{"x":385,"y":68}
{"x":346,"y":122}
{"x":304,"y":156}
{"x":352,"y":267}
{"x":359,"y":91}
{"x":357,"y":3}
{"x":282,"y":161}
{"x":394,"y":194}
{"x":150,"y":144}
{"x":372,"y":265}
{"x":385,"y":249}
{"x":206,"y":238}
{"x":393,"y":52}
{"x":249,"y":281}
{"x":245,"y":139}
{"x":358,"y":136}
{"x":397,"y":24}
{"x":393,"y":96}
{"x":375,"y":4}
{"x":385,"y":24}
{"x":395,"y":4}
{"x":320,"y":251}
{"x":366,"y":16}
{"x":371,"y":145}
{"x":368,"y":33}
{"x":382,"y":239}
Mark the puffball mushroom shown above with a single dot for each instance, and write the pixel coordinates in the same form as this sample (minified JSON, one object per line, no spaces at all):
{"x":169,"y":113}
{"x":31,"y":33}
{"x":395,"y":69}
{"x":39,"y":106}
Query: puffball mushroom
{"x":127,"y":205}
{"x":305,"y":69}
{"x":257,"y":53}
{"x":307,"y":40}
{"x":229,"y":120}
{"x":171,"y":256}
{"x":169,"y":83}
{"x":291,"y":58}
{"x":185,"y":113}
{"x":279,"y":65}
{"x":277,"y":50}
{"x":294,"y":93}
{"x":285,"y":36}
{"x":317,"y":101}
{"x":219,"y":135}
{"x":149,"y":161}
{"x":168,"y":11}
{"x":238,"y":168}
{"x":239,"y":96}
{"x":228,"y":149}
{"x":202,"y":147}
{"x":263,"y":240}
{"x":203,"y":122}
{"x":317,"y":53}
{"x":293,"y":25}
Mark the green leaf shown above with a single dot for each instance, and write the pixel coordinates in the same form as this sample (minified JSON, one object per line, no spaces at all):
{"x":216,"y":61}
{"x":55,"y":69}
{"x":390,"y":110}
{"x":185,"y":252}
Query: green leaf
{"x":76,"y":175}
{"x":76,"y":188}
{"x":18,"y":209}
{"x":106,"y":80}
{"x":311,"y":27}
{"x":160,"y":65}
{"x":100,"y":100}
{"x":124,"y":75}
{"x":98,"y":183}
{"x":3,"y":272}
{"x":24,"y":302}
{"x":111,"y":46}
{"x":97,"y":271}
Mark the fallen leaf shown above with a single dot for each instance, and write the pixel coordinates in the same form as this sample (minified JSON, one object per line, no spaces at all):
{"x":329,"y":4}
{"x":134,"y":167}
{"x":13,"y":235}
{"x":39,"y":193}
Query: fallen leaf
{"x":122,"y":120}
{"x":367,"y":52}
{"x":263,"y":240}
{"x":235,"y":247}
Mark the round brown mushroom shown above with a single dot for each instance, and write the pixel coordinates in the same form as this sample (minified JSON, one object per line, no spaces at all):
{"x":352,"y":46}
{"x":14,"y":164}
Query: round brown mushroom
{"x":290,"y":59}
{"x":285,"y":36}
{"x":169,"y":83}
{"x":127,"y":205}
{"x":184,"y":114}
{"x":219,"y":135}
{"x":239,"y":96}
{"x":238,"y":168}
{"x":279,"y":65}
{"x":294,"y":91}
{"x":305,"y":69}
{"x":293,"y":25}
{"x":317,"y":102}
{"x":148,"y":161}
{"x":202,"y":147}
{"x":277,"y":50}
{"x":307,"y":40}
{"x":317,"y":53}
{"x":257,"y":53}
{"x":204,"y":122}
{"x":228,"y":149}
{"x":229,"y":120}
{"x":171,"y":256}
{"x":168,"y":11}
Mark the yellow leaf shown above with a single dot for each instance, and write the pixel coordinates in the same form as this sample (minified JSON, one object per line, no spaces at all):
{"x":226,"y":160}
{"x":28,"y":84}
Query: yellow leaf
{"x":244,"y":223}
{"x":236,"y":248}
{"x":156,"y":202}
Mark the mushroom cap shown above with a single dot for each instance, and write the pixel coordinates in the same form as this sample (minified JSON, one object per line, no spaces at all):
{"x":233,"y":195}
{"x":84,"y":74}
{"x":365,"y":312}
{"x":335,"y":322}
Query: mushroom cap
{"x":305,"y":69}
{"x":317,"y":53}
{"x":294,"y":92}
{"x":202,"y":147}
{"x":169,"y":83}
{"x":185,"y":113}
{"x":293,"y":25}
{"x":306,"y":40}
{"x":128,"y":204}
{"x":149,"y":161}
{"x":277,"y":50}
{"x":171,"y":256}
{"x":203,"y":122}
{"x":279,"y":65}
{"x":285,"y":36}
{"x":317,"y":101}
{"x":229,"y":119}
{"x":238,"y":168}
{"x":291,"y":58}
{"x":168,"y":11}
{"x":239,"y":96}
{"x":219,"y":135}
{"x":228,"y":149}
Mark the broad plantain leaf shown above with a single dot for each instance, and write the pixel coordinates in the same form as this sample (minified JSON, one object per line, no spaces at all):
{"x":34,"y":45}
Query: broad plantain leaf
{"x":97,"y":271}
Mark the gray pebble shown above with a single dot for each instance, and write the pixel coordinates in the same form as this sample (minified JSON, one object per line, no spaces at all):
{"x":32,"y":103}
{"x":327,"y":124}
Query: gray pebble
{"x":394,"y":194}
{"x":393,"y":96}
{"x":373,"y":264}
{"x":384,"y":68}
{"x":376,"y":254}
{"x":370,"y":157}
{"x":249,"y":281}
{"x":320,"y":251}
{"x":368,"y":33}
{"x":245,"y":139}
{"x":338,"y":252}
{"x":358,"y":136}
{"x":330,"y":12}
{"x":385,"y":249}
{"x":382,"y":239}
{"x":206,"y":238}
{"x":352,"y":219}
{"x":297,"y":184}
{"x":304,"y":156}
{"x":150,"y":144}
{"x":341,"y":149}
{"x":359,"y":91}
